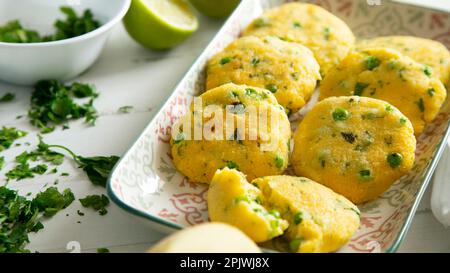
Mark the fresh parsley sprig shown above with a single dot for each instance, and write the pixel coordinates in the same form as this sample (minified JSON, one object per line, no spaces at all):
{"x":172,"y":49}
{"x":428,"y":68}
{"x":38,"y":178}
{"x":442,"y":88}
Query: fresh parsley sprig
{"x":97,"y":168}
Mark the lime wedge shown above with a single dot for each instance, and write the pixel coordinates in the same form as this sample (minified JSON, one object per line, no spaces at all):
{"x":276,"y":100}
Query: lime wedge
{"x":160,"y":24}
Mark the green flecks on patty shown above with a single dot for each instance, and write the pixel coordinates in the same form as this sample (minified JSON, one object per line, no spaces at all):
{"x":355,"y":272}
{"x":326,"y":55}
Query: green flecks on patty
{"x":359,"y":88}
{"x":340,"y":114}
{"x":394,"y":159}
{"x":372,"y":62}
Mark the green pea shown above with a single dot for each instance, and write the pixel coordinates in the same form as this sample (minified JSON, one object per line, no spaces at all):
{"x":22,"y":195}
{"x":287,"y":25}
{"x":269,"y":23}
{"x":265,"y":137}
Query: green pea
{"x":340,"y":114}
{"x":394,"y":159}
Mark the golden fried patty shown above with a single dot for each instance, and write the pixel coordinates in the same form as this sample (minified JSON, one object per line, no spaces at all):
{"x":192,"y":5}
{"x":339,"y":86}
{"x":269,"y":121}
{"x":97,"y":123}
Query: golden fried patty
{"x":254,"y":149}
{"x":357,"y":146}
{"x":320,"y":220}
{"x":329,"y":38}
{"x":424,"y":51}
{"x":288,"y":70}
{"x":232,"y":200}
{"x":386,"y":74}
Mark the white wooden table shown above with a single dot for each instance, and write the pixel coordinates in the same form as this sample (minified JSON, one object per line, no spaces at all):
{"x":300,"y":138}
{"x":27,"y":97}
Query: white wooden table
{"x":127,"y":74}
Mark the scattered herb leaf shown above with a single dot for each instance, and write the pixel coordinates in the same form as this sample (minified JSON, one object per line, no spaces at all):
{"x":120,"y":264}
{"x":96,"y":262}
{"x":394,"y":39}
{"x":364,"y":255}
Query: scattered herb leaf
{"x":97,"y":202}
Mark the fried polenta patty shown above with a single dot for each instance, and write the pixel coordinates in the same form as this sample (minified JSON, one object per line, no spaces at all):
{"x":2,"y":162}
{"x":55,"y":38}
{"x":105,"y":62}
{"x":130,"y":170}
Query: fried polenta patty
{"x":248,"y":147}
{"x":232,"y":200}
{"x":328,"y":37}
{"x":388,"y":75}
{"x":288,"y":70}
{"x":356,"y":146}
{"x":320,"y":220}
{"x":424,"y":51}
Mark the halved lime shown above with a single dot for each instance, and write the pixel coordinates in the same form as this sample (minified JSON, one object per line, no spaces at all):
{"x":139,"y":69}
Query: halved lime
{"x":215,"y":8}
{"x":160,"y":24}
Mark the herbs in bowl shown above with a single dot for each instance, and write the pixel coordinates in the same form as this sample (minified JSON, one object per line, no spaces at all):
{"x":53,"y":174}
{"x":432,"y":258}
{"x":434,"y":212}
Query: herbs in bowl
{"x":72,"y":26}
{"x":43,"y":40}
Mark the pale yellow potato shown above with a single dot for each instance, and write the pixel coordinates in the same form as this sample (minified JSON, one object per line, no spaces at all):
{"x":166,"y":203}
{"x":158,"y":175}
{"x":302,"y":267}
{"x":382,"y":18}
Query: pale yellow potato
{"x":328,"y":37}
{"x":425,"y":51}
{"x":288,"y":70}
{"x":388,"y":75}
{"x":320,"y":220}
{"x":207,"y":238}
{"x":356,"y":146}
{"x":232,"y":200}
{"x":265,"y":154}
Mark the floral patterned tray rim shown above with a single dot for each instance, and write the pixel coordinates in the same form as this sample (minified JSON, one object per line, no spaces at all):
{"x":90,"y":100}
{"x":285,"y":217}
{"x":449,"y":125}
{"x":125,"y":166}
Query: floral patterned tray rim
{"x":164,"y":221}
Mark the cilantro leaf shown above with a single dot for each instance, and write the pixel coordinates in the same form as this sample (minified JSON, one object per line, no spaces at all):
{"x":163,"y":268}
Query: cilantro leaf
{"x":8,"y":136}
{"x":52,"y":104}
{"x":7,"y":97}
{"x":97,"y":168}
{"x":125,"y":109}
{"x":51,"y":201}
{"x":96,"y":202}
{"x":20,"y":216}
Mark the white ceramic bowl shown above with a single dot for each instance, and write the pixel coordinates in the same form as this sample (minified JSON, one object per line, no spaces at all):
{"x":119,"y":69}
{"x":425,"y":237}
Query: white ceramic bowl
{"x":25,"y":64}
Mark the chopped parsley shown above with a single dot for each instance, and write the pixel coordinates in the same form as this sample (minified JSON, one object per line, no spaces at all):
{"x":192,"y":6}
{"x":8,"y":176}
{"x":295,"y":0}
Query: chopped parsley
{"x":326,"y":33}
{"x":72,"y":26}
{"x":260,"y":22}
{"x":14,"y":32}
{"x":125,"y":109}
{"x":421,"y":105}
{"x":431,"y":92}
{"x":297,"y":25}
{"x":255,"y":61}
{"x":359,"y":88}
{"x":272,"y":88}
{"x":427,"y":70}
{"x":7,"y":97}
{"x":298,"y":218}
{"x":97,"y":202}
{"x":103,"y":250}
{"x":225,"y":60}
{"x":279,"y":162}
{"x":255,"y":94}
{"x":340,"y":114}
{"x":372,"y":62}
{"x":403,"y":120}
{"x":52,"y":103}
{"x":232,"y":165}
{"x":364,"y":174}
{"x":8,"y":136}
{"x":394,"y":159}
{"x":20,"y":216}
{"x":2,"y":162}
{"x":51,"y":201}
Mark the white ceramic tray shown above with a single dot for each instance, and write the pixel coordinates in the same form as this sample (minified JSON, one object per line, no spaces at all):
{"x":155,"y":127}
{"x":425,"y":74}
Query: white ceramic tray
{"x":146,"y":184}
